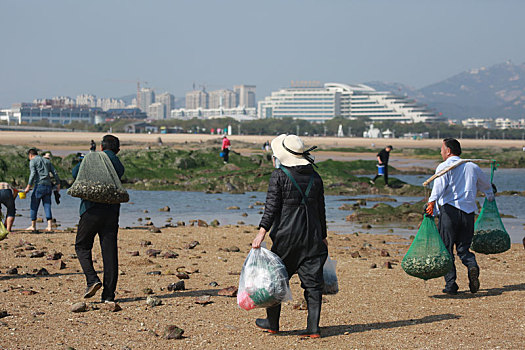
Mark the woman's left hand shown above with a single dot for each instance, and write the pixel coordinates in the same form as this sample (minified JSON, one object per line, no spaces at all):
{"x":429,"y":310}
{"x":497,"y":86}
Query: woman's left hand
{"x":256,"y":244}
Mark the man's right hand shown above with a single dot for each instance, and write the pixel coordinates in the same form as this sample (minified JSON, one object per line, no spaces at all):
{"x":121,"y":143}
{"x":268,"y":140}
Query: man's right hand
{"x":430,"y":208}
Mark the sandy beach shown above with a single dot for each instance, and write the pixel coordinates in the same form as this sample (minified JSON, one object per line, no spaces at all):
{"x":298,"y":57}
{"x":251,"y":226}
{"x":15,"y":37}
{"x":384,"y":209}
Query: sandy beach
{"x":72,"y":140}
{"x":376,"y":308}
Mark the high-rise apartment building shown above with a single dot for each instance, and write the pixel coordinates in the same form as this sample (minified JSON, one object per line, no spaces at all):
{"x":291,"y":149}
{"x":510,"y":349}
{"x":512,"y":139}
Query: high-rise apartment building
{"x":222,"y":98}
{"x":168,"y":100}
{"x":87,"y":100}
{"x":157,"y":110}
{"x":146,"y":96}
{"x":245,"y":95}
{"x":197,"y":99}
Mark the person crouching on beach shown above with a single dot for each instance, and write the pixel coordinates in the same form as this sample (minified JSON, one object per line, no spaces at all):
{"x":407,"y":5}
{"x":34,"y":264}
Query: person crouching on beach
{"x":295,"y":210}
{"x":7,"y":198}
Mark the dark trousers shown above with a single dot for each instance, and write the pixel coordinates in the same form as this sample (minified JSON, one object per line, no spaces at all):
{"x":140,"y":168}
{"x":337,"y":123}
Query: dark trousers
{"x":226,"y":153}
{"x":104,"y":222}
{"x":456,"y":228}
{"x":311,"y":275}
{"x":385,"y":175}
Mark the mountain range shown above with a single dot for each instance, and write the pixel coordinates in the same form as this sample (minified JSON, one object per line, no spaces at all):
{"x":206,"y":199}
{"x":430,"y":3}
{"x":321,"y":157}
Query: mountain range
{"x":495,"y":91}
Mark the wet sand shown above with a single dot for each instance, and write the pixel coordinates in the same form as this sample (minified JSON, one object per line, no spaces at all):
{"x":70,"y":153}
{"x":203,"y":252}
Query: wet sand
{"x":376,"y":308}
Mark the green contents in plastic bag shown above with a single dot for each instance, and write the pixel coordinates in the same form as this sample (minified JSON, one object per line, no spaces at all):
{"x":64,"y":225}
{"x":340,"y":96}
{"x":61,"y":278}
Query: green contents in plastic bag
{"x":262,"y":298}
{"x":3,"y":230}
{"x":490,"y":236}
{"x":427,"y":256}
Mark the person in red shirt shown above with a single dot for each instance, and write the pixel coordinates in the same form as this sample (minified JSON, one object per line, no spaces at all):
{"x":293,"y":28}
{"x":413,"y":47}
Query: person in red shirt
{"x":225,"y":148}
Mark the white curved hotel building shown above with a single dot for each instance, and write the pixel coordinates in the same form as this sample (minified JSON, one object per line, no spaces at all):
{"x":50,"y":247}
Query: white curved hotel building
{"x":318,"y":104}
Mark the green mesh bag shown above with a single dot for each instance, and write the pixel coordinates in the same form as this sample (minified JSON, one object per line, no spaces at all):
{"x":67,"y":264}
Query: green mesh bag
{"x":97,"y":181}
{"x":427,"y":256}
{"x":490,"y":236}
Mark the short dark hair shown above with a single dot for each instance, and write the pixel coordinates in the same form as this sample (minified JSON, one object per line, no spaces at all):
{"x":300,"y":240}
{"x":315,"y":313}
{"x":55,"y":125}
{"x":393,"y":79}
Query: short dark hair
{"x":453,"y":144}
{"x":110,"y":142}
{"x":32,"y":151}
{"x":389,"y":146}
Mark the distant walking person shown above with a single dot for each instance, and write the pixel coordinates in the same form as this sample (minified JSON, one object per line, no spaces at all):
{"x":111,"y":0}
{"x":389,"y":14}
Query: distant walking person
{"x":382,"y":162}
{"x":101,"y":219}
{"x":7,"y":198}
{"x":226,"y":145}
{"x":40,"y":170}
{"x":93,"y":147}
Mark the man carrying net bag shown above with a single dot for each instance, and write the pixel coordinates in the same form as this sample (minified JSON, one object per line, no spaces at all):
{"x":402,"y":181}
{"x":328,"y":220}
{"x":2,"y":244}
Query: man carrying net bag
{"x":455,"y":187}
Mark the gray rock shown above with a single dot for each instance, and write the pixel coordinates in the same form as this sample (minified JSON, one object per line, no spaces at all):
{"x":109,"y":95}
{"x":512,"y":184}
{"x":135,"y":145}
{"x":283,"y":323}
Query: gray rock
{"x":170,"y":255}
{"x":213,"y":284}
{"x":37,"y":254}
{"x":152,"y":301}
{"x":42,"y":272}
{"x":155,"y":273}
{"x":203,"y":300}
{"x":176,"y":286}
{"x":234,"y":249}
{"x":228,"y":292}
{"x":111,"y":306}
{"x":13,"y":271}
{"x":79,"y":307}
{"x":147,"y":291}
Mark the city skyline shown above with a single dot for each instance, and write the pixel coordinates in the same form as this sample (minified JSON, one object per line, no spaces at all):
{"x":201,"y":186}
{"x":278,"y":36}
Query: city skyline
{"x":104,"y":48}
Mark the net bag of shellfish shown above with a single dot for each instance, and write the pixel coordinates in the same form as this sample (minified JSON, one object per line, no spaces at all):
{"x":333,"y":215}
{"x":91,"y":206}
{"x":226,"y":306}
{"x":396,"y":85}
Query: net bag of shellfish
{"x":97,"y":181}
{"x":3,"y":230}
{"x":331,"y":286}
{"x":263,"y":281}
{"x":490,"y":236}
{"x":427,"y":256}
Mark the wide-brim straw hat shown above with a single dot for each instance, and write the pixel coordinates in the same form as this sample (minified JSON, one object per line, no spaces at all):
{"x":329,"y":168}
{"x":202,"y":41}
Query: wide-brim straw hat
{"x":283,"y":144}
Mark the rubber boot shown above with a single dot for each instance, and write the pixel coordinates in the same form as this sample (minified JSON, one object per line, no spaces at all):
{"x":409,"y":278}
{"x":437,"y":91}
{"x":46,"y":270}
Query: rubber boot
{"x":313,"y":301}
{"x":271,"y":322}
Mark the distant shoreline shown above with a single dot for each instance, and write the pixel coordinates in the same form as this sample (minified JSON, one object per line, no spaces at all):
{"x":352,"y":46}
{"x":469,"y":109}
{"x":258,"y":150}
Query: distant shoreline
{"x":74,"y":140}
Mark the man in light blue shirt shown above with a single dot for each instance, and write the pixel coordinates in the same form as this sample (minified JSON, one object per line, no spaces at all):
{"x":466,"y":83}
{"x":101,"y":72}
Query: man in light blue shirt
{"x":455,"y":193}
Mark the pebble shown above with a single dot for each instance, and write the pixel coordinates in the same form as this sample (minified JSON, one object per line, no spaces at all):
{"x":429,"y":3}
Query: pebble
{"x":4,"y":313}
{"x":234,"y":207}
{"x":244,"y":214}
{"x":153,"y":273}
{"x":153,"y":252}
{"x":61,"y":265}
{"x":111,"y":306}
{"x":55,"y":256}
{"x":134,"y":253}
{"x":234,"y":249}
{"x":28,"y":292}
{"x":170,"y":255}
{"x":176,"y":286}
{"x":215,"y":223}
{"x":145,"y":243}
{"x":213,"y":284}
{"x":355,"y":254}
{"x":37,"y":254}
{"x":152,"y":301}
{"x":192,"y":245}
{"x":147,"y":291}
{"x":13,"y":271}
{"x":155,"y":229}
{"x":166,"y":208}
{"x":42,"y":272}
{"x":228,"y":292}
{"x":182,"y":275}
{"x":173,"y":332}
{"x":373,"y":266}
{"x":387,"y":265}
{"x":203,"y":300}
{"x":79,"y":307}
{"x":384,"y":252}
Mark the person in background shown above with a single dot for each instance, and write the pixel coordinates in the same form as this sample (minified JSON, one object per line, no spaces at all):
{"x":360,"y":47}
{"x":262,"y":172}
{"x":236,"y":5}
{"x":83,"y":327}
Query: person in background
{"x":101,"y":219}
{"x":56,"y":192}
{"x":7,"y":198}
{"x":295,"y":211}
{"x":455,"y":194}
{"x":40,"y":168}
{"x":93,"y":146}
{"x":226,"y":145}
{"x":382,"y":160}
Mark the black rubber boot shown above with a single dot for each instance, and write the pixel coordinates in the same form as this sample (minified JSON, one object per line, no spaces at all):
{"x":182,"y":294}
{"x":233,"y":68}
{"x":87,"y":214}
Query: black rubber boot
{"x":313,"y":301}
{"x":271,"y":322}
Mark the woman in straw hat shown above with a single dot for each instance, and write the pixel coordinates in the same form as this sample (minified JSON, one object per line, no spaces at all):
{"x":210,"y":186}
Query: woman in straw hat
{"x":295,"y":211}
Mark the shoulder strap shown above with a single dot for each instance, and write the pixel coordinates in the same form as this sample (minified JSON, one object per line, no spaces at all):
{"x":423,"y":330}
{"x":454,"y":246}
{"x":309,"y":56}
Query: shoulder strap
{"x":305,"y":194}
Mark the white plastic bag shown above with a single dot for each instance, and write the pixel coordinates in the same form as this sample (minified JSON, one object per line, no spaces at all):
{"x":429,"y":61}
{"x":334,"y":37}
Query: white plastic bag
{"x":263,"y":281}
{"x":331,"y":286}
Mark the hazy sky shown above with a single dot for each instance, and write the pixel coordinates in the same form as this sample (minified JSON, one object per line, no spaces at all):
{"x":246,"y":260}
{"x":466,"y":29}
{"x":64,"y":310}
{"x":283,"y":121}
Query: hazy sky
{"x":51,"y":48}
